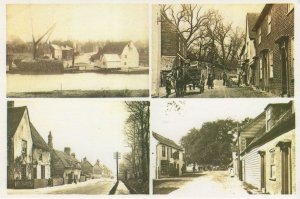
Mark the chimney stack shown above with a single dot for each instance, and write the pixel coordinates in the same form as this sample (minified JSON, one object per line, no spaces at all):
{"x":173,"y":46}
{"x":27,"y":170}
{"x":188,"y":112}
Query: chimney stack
{"x":73,"y":155}
{"x":50,"y":140}
{"x":67,"y":150}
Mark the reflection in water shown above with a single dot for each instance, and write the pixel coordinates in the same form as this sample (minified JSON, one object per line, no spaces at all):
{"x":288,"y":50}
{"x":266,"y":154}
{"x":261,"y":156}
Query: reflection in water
{"x":79,"y":81}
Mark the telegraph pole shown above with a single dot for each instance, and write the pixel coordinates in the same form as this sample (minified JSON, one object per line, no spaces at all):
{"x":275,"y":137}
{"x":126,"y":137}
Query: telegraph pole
{"x":117,"y":156}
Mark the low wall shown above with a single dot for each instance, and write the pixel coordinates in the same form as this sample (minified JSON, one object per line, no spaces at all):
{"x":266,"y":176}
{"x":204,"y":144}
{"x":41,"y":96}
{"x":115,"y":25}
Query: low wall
{"x":56,"y":182}
{"x":30,"y":184}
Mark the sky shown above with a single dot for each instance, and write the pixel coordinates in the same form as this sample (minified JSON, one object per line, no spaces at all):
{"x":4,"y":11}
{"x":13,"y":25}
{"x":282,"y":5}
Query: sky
{"x":175,"y":124}
{"x":79,"y":22}
{"x":91,"y":128}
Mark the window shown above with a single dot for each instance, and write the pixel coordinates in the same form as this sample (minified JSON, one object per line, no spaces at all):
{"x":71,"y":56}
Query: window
{"x":42,"y":171}
{"x":171,"y":152}
{"x":268,"y":119}
{"x":125,"y":63}
{"x":271,"y":75}
{"x":290,"y":7}
{"x":24,"y":147}
{"x":269,"y":23}
{"x":163,"y":151}
{"x":41,"y":157}
{"x":292,"y":57}
{"x":260,"y":68}
{"x":23,"y":171}
{"x":272,"y":165}
{"x":259,"y":35}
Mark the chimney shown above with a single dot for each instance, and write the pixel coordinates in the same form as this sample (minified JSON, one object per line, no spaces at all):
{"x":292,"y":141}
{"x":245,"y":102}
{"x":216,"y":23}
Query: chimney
{"x":67,"y":150}
{"x":73,"y":155}
{"x":98,"y":162}
{"x":50,"y":138}
{"x":10,"y":104}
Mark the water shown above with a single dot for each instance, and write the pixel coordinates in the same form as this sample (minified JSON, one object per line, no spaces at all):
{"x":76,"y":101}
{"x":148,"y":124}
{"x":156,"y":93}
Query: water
{"x":77,"y":81}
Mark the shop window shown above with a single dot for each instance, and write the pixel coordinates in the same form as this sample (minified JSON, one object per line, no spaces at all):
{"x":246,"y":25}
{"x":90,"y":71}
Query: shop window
{"x":272,"y":165}
{"x":271,"y":73}
{"x":24,"y":147}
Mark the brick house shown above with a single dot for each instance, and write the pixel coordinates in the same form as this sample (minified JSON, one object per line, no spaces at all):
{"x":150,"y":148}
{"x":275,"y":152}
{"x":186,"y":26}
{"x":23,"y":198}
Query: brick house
{"x":169,"y":157}
{"x":267,"y":150}
{"x":28,"y":156}
{"x":248,"y":54}
{"x":169,"y":48}
{"x":275,"y":49}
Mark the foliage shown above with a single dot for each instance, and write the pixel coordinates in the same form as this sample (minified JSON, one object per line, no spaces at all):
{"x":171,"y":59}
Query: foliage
{"x":136,"y":163}
{"x":211,"y":144}
{"x":209,"y":38}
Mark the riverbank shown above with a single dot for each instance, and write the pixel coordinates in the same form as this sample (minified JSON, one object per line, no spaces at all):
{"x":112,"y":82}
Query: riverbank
{"x":82,"y":93}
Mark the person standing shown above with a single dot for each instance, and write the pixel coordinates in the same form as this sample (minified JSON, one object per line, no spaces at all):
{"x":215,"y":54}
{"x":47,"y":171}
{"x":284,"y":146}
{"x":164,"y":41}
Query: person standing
{"x":210,"y":81}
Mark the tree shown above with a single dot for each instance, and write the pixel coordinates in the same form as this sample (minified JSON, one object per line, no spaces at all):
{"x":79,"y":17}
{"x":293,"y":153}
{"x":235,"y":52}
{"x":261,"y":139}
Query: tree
{"x":137,"y":137}
{"x":211,"y":144}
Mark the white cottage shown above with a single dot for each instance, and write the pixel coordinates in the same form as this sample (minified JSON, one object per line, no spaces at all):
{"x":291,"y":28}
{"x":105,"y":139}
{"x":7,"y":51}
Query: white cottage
{"x":118,"y":55}
{"x":169,"y":157}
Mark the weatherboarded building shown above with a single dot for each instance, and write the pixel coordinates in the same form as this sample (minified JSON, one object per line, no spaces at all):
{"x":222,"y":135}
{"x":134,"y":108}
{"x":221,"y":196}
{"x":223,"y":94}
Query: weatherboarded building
{"x":274,"y":40}
{"x":267,"y":150}
{"x":169,"y":157}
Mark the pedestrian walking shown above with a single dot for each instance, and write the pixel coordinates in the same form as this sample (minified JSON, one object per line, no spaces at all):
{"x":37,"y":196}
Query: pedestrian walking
{"x":224,"y":78}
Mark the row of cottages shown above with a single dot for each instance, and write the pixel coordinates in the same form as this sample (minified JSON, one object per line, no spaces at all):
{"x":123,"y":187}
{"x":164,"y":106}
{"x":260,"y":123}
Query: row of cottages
{"x":118,"y":55}
{"x":93,"y":171}
{"x":169,"y":49}
{"x":169,"y":157}
{"x":28,"y":155}
{"x":267,"y":150}
{"x":268,"y":54}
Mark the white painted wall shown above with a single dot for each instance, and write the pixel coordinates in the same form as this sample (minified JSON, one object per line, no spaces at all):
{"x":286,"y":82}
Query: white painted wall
{"x":130,"y":56}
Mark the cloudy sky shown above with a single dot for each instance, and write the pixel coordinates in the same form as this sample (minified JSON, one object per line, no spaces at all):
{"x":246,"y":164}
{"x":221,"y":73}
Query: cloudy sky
{"x":79,"y":22}
{"x":91,"y":128}
{"x":175,"y":124}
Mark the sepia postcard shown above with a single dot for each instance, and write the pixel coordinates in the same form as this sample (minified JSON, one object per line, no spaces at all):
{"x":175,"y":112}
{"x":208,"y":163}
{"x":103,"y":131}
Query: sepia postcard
{"x":223,"y":50}
{"x":70,"y":50}
{"x":203,"y":149}
{"x":57,"y":147}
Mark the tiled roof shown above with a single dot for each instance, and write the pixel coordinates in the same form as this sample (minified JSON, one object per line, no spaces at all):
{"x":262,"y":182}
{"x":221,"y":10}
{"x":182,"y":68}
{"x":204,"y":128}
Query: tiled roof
{"x":14,"y":116}
{"x":163,"y":140}
{"x":114,"y":48}
{"x":37,"y":139}
{"x":67,"y":160}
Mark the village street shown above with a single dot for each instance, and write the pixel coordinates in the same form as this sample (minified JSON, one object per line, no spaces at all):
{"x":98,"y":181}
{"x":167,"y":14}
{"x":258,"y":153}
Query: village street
{"x":209,"y":183}
{"x":220,"y":91}
{"x":95,"y":186}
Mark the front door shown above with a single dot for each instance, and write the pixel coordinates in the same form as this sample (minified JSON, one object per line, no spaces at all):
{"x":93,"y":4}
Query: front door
{"x":285,"y":171}
{"x":23,"y":171}
{"x":284,"y":69}
{"x":265,"y":71}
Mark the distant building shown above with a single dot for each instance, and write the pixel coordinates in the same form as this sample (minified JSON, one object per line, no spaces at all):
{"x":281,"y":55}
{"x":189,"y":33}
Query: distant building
{"x":86,"y":168}
{"x":97,"y":170}
{"x":267,"y":151}
{"x":56,"y":52}
{"x":274,"y":43}
{"x":67,"y":52}
{"x":28,"y":156}
{"x":118,"y":55}
{"x":64,"y":163}
{"x":169,"y":157}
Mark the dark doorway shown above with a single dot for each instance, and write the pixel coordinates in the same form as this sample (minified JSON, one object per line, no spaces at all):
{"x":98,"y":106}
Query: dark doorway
{"x":284,"y":70}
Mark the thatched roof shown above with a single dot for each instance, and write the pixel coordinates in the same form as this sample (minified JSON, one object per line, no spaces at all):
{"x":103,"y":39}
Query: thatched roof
{"x":67,"y":160}
{"x":37,"y":139}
